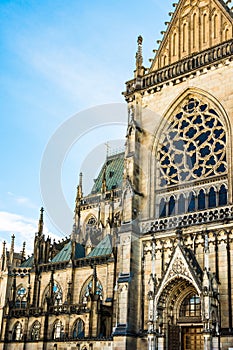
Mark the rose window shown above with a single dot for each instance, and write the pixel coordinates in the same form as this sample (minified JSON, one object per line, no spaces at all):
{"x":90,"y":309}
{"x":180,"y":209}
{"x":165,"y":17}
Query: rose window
{"x":193,"y":146}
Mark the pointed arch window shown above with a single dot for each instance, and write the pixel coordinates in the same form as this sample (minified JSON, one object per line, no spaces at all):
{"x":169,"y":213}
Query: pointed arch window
{"x":171,"y":206}
{"x":191,"y":153}
{"x":205,"y":26}
{"x":78,"y":329}
{"x":174,"y":44}
{"x":162,"y":208}
{"x":58,"y":330}
{"x":17,"y":332}
{"x":212,"y":198}
{"x":191,"y":202}
{"x":195,"y":30}
{"x":21,"y":297}
{"x":88,"y":288}
{"x":181,"y":204}
{"x":215,"y":20}
{"x":193,"y":146}
{"x":223,"y":195}
{"x":35,"y":330}
{"x":191,"y":306}
{"x":185,"y":34}
{"x":201,"y":200}
{"x":227,"y":34}
{"x":57,"y":294}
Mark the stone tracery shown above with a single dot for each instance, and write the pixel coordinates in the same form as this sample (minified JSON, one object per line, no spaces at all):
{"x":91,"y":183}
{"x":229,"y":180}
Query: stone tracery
{"x":193,"y":146}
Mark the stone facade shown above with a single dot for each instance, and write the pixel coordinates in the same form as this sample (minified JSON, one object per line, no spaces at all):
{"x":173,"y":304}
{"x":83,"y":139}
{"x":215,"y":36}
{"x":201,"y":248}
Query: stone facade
{"x":149,"y":262}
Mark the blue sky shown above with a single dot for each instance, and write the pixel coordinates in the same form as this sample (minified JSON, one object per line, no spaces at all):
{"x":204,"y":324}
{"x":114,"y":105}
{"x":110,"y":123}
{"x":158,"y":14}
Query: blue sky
{"x":59,"y":58}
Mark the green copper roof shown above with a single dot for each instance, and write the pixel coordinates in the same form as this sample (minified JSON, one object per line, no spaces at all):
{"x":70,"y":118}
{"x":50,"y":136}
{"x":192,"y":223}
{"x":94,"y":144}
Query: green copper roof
{"x":114,"y":166}
{"x":28,"y":263}
{"x":65,"y":253}
{"x":103,"y":248}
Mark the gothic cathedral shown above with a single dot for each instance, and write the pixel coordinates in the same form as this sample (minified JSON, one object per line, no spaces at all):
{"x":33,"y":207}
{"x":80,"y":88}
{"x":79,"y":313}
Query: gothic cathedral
{"x":149,"y":263}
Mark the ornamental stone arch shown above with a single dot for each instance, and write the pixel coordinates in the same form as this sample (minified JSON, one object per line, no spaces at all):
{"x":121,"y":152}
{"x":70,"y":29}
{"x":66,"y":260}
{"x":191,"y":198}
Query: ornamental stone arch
{"x":192,"y":148}
{"x":169,"y":301}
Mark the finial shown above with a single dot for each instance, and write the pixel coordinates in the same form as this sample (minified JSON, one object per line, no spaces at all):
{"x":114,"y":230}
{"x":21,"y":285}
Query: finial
{"x":23,"y":251}
{"x":104,"y":185}
{"x":41,"y":221}
{"x":89,"y":244}
{"x":81,"y":179}
{"x":3,"y":258}
{"x":179,"y":236}
{"x":12,"y":243}
{"x":139,"y":58}
{"x":3,"y":248}
{"x":107,"y":149}
{"x":80,"y":187}
{"x":206,"y":242}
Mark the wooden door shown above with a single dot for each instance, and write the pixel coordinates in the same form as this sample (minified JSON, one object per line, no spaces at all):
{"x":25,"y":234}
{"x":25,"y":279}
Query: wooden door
{"x":192,"y":338}
{"x":173,"y":337}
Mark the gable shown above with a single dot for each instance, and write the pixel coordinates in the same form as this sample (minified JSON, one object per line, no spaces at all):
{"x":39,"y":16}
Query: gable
{"x":184,"y":265}
{"x":196,"y":25}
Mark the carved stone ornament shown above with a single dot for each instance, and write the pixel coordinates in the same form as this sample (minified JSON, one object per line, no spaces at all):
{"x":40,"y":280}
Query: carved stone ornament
{"x":178,"y":268}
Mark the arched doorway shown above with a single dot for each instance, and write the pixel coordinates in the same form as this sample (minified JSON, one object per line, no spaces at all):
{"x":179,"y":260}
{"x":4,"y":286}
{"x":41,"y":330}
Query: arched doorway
{"x":189,"y":321}
{"x":179,"y":316}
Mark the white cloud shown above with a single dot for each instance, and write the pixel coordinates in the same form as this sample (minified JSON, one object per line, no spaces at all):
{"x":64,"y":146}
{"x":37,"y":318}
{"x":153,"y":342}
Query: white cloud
{"x":24,"y":229}
{"x":21,"y":200}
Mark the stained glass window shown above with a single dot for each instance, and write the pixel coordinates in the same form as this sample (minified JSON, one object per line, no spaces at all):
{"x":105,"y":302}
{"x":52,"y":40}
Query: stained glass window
{"x":87,"y":290}
{"x":17,"y":333}
{"x":78,"y":330}
{"x":58,"y":330}
{"x":21,"y":297}
{"x":191,"y":306}
{"x":35,"y":331}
